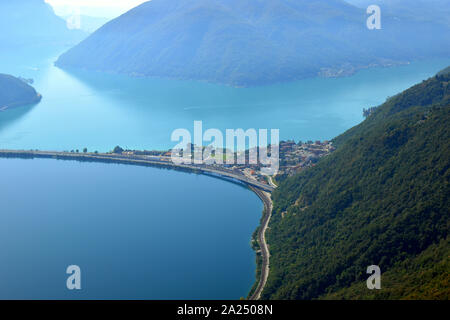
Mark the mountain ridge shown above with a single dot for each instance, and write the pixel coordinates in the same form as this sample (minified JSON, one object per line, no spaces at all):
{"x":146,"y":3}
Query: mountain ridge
{"x":14,"y":92}
{"x":33,"y":22}
{"x":380,"y":199}
{"x":247,"y":43}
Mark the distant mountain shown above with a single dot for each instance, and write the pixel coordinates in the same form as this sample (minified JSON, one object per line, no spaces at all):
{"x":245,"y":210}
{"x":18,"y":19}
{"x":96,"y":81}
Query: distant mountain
{"x":32,"y":22}
{"x":436,"y":11}
{"x":250,"y":42}
{"x":444,"y":72}
{"x":16,"y":92}
{"x":380,"y":199}
{"x":87,"y":23}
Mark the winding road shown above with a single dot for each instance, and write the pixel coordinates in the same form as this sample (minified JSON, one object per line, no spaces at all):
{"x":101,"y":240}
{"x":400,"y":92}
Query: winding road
{"x":261,"y":238}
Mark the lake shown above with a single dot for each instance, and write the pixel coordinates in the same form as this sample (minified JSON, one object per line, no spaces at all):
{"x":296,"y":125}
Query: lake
{"x":147,"y":233}
{"x":135,"y":232}
{"x":98,"y":111}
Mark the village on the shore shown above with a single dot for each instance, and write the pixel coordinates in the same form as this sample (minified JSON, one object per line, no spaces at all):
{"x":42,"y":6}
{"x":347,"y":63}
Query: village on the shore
{"x":293,"y":158}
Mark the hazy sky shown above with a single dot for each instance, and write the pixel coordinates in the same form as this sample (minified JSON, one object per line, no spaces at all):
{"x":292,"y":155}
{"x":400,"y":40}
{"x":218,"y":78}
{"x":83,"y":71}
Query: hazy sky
{"x":99,"y":8}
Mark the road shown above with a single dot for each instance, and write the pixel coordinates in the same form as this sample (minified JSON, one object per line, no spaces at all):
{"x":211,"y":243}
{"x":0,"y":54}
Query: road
{"x":149,"y":160}
{"x":271,"y":182}
{"x":261,"y":237}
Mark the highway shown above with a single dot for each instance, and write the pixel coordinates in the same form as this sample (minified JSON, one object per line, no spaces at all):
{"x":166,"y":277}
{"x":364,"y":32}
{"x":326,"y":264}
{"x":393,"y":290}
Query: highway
{"x":261,"y":238}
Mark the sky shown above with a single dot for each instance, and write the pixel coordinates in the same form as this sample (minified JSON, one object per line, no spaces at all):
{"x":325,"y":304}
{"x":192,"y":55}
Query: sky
{"x":96,"y":8}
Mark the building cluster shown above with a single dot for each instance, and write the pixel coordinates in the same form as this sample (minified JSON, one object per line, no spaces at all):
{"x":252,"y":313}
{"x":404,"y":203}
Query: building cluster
{"x":294,"y":157}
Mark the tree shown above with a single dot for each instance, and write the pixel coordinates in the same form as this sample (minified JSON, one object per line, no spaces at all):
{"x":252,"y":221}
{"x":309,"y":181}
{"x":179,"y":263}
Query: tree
{"x":118,"y":150}
{"x":85,"y":150}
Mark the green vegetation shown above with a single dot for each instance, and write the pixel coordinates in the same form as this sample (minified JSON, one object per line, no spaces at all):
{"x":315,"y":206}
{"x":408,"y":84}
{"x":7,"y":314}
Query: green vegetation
{"x":117,"y":150}
{"x":424,"y":277}
{"x":444,"y":72}
{"x":14,"y":92}
{"x":381,"y":198}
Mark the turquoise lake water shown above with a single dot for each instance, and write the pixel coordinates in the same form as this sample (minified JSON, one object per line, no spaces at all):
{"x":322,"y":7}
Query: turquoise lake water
{"x":148,"y":233}
{"x":135,"y":232}
{"x":97,"y":111}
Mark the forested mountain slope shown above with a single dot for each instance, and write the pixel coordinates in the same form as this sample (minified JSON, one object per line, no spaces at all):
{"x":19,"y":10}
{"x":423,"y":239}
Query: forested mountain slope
{"x":15,"y":92}
{"x":420,"y":10}
{"x":252,"y":42}
{"x":382,"y":198}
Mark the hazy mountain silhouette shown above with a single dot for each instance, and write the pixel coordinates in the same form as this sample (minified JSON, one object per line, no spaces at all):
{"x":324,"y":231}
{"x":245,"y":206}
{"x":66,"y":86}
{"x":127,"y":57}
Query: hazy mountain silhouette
{"x":15,"y":92}
{"x":31,"y":22}
{"x":436,"y":11}
{"x":250,"y":42}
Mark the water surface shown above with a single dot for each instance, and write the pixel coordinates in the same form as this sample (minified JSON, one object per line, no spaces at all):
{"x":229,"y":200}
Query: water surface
{"x":99,"y":111}
{"x":135,"y":232}
{"x":147,"y":233}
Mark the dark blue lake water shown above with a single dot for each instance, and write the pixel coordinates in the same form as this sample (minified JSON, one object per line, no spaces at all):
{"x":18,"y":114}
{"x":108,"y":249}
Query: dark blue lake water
{"x":135,"y":232}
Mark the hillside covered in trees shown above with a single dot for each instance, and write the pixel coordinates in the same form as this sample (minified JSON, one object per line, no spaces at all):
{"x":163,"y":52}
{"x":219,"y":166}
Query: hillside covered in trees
{"x":382,"y":198}
{"x":15,"y":92}
{"x":252,"y":42}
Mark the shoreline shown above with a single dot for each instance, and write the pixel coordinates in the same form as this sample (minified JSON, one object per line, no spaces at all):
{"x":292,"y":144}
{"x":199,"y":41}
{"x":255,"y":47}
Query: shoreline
{"x":261,"y":238}
{"x":156,"y":161}
{"x":334,"y":72}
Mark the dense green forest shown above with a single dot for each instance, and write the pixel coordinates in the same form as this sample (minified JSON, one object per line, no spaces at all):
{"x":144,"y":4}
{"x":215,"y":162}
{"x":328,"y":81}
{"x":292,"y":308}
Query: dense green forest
{"x":15,"y":92}
{"x":382,"y":198}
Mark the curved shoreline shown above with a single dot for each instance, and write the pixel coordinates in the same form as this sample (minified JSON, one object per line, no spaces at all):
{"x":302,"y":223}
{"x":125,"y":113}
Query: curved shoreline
{"x":263,"y":194}
{"x":156,"y":161}
{"x":261,"y":238}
